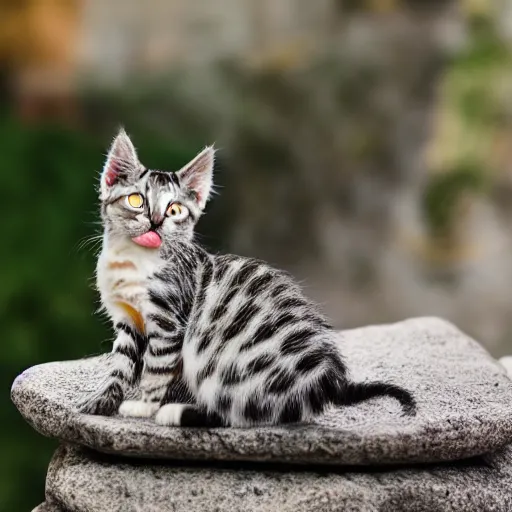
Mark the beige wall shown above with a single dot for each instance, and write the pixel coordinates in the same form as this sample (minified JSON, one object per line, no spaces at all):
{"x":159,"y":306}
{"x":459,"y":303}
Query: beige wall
{"x":121,"y":35}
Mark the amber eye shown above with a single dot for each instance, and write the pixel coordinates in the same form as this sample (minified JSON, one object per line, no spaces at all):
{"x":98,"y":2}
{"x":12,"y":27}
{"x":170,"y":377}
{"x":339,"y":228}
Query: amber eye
{"x":177,"y":211}
{"x":135,"y":200}
{"x":174,"y":210}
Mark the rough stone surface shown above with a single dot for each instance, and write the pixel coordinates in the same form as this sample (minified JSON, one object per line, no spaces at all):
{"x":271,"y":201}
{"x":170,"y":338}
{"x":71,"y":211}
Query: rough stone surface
{"x":85,"y":481}
{"x":49,"y":507}
{"x":464,"y":398}
{"x":506,"y":362}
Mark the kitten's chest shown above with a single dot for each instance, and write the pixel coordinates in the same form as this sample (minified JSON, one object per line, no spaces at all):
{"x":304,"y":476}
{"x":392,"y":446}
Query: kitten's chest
{"x":123,"y":272}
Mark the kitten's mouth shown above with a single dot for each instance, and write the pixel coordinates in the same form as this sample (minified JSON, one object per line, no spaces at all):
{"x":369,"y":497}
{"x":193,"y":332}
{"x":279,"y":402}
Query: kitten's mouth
{"x":151,"y":239}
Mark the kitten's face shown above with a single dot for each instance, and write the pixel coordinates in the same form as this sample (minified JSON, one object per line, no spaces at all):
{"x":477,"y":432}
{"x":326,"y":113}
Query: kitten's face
{"x":152,"y":208}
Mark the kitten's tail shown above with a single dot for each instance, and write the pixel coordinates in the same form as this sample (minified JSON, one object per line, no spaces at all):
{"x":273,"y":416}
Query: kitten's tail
{"x":355,"y":392}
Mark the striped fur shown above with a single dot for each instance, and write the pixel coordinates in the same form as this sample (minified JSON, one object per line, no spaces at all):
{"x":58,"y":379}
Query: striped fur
{"x":206,"y":340}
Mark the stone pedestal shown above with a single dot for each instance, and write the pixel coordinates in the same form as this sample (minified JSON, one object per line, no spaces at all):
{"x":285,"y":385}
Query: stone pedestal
{"x":453,"y":456}
{"x":86,"y":481}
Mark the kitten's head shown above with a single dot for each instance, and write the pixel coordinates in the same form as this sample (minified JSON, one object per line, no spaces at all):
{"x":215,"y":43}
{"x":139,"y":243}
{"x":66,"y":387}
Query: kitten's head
{"x":152,"y":208}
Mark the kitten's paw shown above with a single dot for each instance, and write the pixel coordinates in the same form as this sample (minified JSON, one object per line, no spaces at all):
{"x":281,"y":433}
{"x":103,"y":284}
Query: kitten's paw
{"x":137,"y":409}
{"x":105,"y":402}
{"x":170,"y":414}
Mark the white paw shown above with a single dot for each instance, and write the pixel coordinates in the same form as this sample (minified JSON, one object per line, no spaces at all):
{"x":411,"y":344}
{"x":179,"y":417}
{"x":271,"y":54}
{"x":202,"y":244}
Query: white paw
{"x":137,"y":409}
{"x":170,"y":414}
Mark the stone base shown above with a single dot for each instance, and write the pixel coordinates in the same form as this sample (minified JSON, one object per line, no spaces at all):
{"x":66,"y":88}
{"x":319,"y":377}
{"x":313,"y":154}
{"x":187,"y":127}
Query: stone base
{"x":366,"y":458}
{"x":85,"y":481}
{"x":464,"y":408}
{"x":48,"y":507}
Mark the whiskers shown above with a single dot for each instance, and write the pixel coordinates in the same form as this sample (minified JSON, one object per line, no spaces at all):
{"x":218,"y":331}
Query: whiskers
{"x":90,"y":242}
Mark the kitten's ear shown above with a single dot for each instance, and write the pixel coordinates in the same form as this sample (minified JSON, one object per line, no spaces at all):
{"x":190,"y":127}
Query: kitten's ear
{"x":122,"y":163}
{"x":197,"y":175}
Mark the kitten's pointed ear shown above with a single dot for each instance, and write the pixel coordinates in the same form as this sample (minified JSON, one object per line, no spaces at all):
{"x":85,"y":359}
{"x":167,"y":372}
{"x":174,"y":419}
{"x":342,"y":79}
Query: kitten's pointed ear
{"x":122,"y":162}
{"x":197,"y":175}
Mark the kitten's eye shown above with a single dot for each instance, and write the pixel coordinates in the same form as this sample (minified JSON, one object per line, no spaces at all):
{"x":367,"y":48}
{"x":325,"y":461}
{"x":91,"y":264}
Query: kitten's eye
{"x":135,"y":200}
{"x":177,"y":211}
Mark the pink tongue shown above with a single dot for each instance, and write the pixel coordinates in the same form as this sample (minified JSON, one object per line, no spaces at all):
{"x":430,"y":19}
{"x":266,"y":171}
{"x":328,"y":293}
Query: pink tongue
{"x":149,"y":239}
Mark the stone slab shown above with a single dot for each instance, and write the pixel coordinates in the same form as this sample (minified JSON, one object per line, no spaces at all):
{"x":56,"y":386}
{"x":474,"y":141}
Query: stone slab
{"x":85,"y":481}
{"x":464,"y":407}
{"x":48,"y":507}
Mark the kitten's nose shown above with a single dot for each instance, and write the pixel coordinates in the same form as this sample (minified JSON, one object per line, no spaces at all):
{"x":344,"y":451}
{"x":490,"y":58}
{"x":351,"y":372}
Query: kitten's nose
{"x":157,"y":219}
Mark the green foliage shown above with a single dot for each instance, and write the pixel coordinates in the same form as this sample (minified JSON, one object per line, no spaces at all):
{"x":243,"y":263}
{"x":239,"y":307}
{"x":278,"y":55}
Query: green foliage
{"x":441,"y":197}
{"x":474,"y":72}
{"x":475,"y":103}
{"x":47,"y":297}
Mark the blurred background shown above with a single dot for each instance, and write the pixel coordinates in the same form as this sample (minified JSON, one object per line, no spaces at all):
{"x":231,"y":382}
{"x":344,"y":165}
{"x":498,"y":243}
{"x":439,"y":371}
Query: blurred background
{"x":365,"y":146}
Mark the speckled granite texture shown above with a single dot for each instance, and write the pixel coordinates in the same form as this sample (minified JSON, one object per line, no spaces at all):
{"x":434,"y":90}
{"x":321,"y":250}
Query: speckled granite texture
{"x":84,"y":481}
{"x":464,"y":398}
{"x":48,"y":506}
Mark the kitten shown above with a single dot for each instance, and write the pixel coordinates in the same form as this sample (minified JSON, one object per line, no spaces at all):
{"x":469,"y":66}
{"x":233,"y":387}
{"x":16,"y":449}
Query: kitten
{"x":207,"y":340}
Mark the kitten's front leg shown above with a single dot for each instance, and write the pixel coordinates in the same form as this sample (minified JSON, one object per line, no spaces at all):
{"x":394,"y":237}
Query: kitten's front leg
{"x":125,"y":365}
{"x":162,"y":365}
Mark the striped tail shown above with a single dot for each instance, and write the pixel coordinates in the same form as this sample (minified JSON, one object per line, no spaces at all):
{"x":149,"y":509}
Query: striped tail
{"x":355,"y":392}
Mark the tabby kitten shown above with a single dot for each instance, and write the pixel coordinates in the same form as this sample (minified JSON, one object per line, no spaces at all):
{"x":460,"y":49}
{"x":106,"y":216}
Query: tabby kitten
{"x":206,"y":340}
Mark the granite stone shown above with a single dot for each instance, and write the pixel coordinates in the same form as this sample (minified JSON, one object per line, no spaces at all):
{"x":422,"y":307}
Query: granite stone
{"x":81,"y":480}
{"x":48,"y":506}
{"x":464,"y":408}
